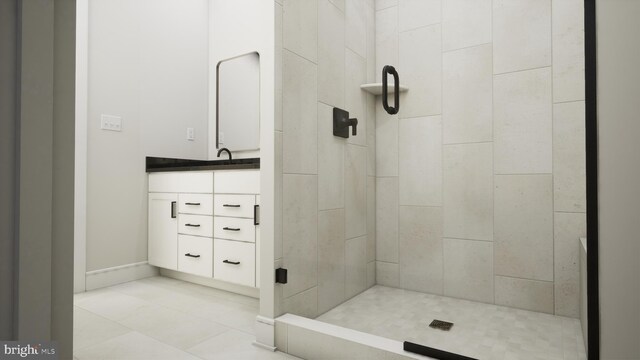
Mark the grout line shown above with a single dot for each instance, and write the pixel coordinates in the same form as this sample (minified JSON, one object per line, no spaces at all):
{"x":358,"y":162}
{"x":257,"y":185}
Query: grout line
{"x":522,"y":278}
{"x":524,"y":70}
{"x":469,"y":47}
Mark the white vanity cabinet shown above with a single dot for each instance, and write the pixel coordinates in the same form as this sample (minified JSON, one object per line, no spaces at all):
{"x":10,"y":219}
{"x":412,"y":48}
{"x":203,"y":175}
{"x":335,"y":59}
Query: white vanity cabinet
{"x":205,"y":223}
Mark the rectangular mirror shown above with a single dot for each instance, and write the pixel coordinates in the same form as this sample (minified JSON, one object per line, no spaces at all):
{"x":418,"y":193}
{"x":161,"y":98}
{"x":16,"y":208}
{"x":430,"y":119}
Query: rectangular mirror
{"x":238,"y":103}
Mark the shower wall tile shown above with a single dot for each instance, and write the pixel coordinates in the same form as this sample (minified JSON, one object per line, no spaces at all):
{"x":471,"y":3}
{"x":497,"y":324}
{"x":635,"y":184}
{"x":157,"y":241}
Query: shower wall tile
{"x":420,"y":248}
{"x":523,"y":122}
{"x":331,"y":163}
{"x":524,"y":226}
{"x":521,"y":35}
{"x":568,"y":50}
{"x":465,"y":23}
{"x":371,"y":274}
{"x":371,"y":218}
{"x":387,"y":219}
{"x":421,"y":64}
{"x":331,"y":49}
{"x":370,"y":15}
{"x":418,"y":13}
{"x":371,"y":134}
{"x":383,"y":4}
{"x":278,"y":196}
{"x":340,"y":4}
{"x":300,"y":139}
{"x":356,"y":26}
{"x":524,"y":294}
{"x":386,"y":142}
{"x":467,"y":95}
{"x":568,"y":229}
{"x":355,"y":98}
{"x":387,"y":50}
{"x":331,"y":259}
{"x":468,"y":269}
{"x":387,"y":274}
{"x":468,"y":191}
{"x":355,"y":191}
{"x":420,"y":161}
{"x":569,"y":169}
{"x":356,"y":266}
{"x":303,"y":304}
{"x":300,"y":28}
{"x":300,"y":235}
{"x":278,"y":44}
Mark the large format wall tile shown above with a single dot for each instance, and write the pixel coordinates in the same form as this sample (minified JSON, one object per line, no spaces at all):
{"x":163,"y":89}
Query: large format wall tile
{"x":524,"y":226}
{"x":356,"y":266}
{"x":355,"y":191}
{"x":568,"y":50}
{"x":468,"y":191}
{"x":524,"y":294}
{"x":331,"y":30}
{"x":300,"y":28}
{"x":386,"y":142}
{"x":420,"y":161}
{"x":331,"y":259}
{"x":300,"y":235}
{"x":467,"y":95}
{"x":568,"y":229}
{"x":421,"y":70}
{"x":522,"y":122}
{"x":468,"y":269}
{"x":371,"y":218}
{"x":278,"y":196}
{"x":465,"y":23}
{"x":420,"y":248}
{"x":371,"y":43}
{"x":355,"y":98}
{"x":371,"y":135}
{"x":356,"y":26}
{"x":387,"y":274}
{"x":569,"y":158}
{"x":330,"y":163}
{"x":387,"y":50}
{"x":303,"y":304}
{"x":418,"y":13}
{"x":300,"y":139}
{"x":521,"y":35}
{"x":387,"y":219}
{"x":383,"y":4}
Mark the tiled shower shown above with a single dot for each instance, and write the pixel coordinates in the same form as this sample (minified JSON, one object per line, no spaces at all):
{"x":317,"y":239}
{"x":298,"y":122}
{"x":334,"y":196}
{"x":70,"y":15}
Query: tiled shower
{"x":475,"y":190}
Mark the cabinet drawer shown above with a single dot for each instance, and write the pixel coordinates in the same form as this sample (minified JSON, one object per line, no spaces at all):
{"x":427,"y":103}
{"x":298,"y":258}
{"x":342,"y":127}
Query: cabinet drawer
{"x":195,"y":255}
{"x":199,"y":204}
{"x":234,"y":261}
{"x":234,"y":205}
{"x":234,"y":229}
{"x":200,"y":225}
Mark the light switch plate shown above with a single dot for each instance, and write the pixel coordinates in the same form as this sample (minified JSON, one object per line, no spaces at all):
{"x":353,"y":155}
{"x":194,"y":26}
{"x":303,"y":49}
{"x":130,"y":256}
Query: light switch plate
{"x":191,"y":135}
{"x":110,"y":122}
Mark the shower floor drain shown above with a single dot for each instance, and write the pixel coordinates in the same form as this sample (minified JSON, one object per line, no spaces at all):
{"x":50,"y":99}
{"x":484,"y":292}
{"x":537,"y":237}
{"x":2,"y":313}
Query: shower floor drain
{"x":442,"y":325}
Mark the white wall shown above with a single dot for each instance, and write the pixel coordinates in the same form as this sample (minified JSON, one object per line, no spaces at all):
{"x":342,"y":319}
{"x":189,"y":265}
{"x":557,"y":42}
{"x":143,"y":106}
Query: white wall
{"x":619,"y":176}
{"x":148,"y":62}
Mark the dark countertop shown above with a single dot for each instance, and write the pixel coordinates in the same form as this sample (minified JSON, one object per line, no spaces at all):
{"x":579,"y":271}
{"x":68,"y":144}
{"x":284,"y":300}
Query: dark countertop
{"x":157,"y":164}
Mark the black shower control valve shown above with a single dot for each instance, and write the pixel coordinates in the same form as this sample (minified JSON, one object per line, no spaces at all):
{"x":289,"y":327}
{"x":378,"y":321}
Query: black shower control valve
{"x":341,"y":124}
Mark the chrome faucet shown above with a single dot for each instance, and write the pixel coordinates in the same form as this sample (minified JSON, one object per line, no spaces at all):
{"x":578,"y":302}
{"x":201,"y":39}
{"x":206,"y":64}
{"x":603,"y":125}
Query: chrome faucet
{"x":224,"y":149}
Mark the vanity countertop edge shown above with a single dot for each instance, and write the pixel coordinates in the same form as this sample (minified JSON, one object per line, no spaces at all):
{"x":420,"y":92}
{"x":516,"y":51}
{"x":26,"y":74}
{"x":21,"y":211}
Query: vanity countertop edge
{"x":161,"y":164}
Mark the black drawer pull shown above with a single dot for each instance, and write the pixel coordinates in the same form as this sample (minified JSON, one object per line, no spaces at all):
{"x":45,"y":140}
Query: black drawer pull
{"x":231,"y":229}
{"x":231,"y":262}
{"x":192,"y":225}
{"x":173,"y":210}
{"x":231,"y":205}
{"x":193,"y":256}
{"x":193,"y":204}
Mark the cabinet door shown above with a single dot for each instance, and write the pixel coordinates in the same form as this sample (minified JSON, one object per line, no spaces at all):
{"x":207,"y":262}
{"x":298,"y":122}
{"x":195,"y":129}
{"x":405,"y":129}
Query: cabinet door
{"x":163,"y":230}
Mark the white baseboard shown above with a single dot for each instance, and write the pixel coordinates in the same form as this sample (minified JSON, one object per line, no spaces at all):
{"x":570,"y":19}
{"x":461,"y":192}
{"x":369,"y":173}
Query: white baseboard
{"x":119,"y":274}
{"x":210,"y":282}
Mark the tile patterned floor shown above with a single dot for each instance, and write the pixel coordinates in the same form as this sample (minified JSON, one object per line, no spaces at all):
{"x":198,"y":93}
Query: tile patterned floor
{"x":162,"y":318}
{"x":481,"y":330}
